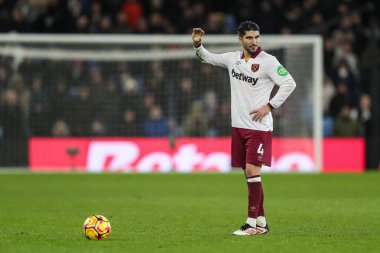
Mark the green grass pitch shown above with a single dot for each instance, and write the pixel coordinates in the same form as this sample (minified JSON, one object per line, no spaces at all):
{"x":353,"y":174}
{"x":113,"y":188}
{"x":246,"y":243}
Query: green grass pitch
{"x":188,"y":212}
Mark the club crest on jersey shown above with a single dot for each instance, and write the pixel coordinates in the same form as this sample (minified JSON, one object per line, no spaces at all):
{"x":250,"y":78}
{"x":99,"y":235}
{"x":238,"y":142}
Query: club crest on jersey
{"x":255,"y":67}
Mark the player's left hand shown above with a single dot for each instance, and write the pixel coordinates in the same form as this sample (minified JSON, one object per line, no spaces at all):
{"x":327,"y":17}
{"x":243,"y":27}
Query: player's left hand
{"x":258,"y":114}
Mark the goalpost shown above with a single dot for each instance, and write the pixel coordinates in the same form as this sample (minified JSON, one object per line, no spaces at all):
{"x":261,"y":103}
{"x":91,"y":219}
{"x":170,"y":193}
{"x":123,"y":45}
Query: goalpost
{"x":107,"y":76}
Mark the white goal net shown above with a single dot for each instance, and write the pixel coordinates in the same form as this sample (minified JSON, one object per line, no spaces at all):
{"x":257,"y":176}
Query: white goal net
{"x":108,"y":85}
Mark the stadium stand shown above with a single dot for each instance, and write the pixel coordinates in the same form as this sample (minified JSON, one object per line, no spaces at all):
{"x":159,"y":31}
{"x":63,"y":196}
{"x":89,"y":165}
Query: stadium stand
{"x":36,"y":108}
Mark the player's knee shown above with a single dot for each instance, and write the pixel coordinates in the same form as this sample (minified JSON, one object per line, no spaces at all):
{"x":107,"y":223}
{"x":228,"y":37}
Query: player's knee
{"x":252,"y":170}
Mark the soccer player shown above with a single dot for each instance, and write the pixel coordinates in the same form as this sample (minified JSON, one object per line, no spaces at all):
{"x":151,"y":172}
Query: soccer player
{"x":253,"y":74}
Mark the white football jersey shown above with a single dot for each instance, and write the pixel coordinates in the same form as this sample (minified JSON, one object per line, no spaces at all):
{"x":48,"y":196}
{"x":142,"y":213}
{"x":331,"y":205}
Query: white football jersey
{"x":251,"y":84}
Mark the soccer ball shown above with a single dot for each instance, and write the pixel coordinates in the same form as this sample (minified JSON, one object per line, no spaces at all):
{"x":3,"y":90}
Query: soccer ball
{"x":96,"y":227}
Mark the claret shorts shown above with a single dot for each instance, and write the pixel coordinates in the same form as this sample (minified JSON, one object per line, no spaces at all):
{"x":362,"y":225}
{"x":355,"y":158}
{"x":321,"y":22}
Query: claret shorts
{"x":250,"y":146}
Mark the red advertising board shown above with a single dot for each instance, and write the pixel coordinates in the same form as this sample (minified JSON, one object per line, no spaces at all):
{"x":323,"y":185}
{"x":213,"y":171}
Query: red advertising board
{"x":187,"y":155}
{"x":343,"y":155}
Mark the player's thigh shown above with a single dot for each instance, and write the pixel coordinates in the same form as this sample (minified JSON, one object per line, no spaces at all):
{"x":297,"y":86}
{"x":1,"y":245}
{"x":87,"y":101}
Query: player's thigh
{"x":238,"y":151}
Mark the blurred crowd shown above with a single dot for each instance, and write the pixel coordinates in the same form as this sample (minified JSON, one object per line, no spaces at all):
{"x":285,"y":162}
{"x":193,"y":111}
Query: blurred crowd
{"x":68,"y":106}
{"x":91,"y":98}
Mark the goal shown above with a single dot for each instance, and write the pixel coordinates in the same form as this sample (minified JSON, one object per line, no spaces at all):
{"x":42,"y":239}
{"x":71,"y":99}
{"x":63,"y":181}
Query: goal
{"x":109,"y":85}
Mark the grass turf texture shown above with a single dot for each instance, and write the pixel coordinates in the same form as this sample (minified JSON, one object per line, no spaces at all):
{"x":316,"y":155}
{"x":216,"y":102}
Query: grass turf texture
{"x":188,"y":212}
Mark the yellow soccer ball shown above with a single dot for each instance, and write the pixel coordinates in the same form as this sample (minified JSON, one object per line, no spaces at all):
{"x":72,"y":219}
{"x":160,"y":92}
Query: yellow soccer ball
{"x":96,"y":227}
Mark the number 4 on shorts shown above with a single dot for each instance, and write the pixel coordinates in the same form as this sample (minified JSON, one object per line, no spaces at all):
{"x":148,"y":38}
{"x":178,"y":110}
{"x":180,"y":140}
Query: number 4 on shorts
{"x":260,"y":149}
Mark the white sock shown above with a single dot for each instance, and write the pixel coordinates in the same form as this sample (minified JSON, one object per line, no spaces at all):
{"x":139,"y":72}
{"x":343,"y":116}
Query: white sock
{"x":261,"y":221}
{"x":251,"y":222}
{"x":254,"y":179}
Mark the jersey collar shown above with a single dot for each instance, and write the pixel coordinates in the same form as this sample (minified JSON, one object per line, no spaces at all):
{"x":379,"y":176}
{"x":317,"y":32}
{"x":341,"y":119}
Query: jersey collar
{"x":254,"y":55}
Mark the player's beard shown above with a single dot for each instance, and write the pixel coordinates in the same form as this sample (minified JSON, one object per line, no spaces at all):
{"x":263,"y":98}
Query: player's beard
{"x":251,"y":50}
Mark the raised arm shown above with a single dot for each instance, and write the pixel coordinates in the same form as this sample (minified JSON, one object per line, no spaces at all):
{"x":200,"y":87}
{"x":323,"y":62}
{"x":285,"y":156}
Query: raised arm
{"x":204,"y":55}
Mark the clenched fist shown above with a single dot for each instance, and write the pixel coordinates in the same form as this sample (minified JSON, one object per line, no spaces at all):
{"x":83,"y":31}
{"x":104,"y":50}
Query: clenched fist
{"x":197,"y":36}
